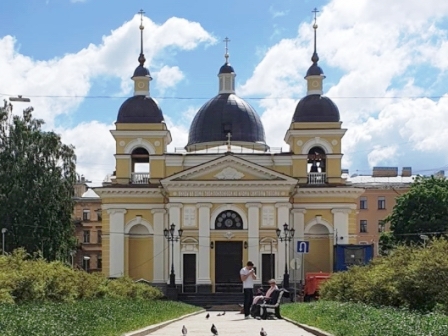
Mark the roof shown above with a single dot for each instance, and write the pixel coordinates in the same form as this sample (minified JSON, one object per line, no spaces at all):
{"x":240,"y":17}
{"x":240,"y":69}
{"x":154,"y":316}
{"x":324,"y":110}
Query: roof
{"x":90,"y":194}
{"x":141,"y":71}
{"x":370,"y":181}
{"x":316,"y":108}
{"x":223,"y":114}
{"x":139,"y":110}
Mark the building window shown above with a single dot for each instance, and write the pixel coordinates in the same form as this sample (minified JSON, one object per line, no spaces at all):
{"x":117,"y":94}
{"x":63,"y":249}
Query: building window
{"x":86,"y":236}
{"x":99,"y":215}
{"x":363,"y":203}
{"x":99,"y":263}
{"x":363,"y":226}
{"x":381,"y":226}
{"x":99,"y":233}
{"x":228,"y":220}
{"x":86,"y":215}
{"x":86,"y":263}
{"x":381,"y":202}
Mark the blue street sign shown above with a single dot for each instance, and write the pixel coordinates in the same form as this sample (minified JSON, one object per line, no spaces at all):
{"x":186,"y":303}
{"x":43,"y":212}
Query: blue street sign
{"x":303,"y":246}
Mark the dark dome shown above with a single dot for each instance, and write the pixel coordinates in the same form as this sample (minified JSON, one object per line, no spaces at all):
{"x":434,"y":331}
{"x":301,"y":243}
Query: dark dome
{"x":314,"y":70}
{"x":141,"y":71}
{"x":139,"y":110}
{"x":223,"y":114}
{"x":316,"y":108}
{"x":226,"y":68}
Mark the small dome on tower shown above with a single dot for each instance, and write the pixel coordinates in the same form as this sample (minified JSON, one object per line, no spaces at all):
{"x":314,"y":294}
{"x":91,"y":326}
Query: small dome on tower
{"x":314,"y":70}
{"x":226,"y":68}
{"x":141,"y":71}
{"x":316,"y":108}
{"x":139,"y":110}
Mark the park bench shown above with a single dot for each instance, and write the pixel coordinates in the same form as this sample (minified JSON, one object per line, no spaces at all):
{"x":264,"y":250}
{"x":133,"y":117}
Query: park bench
{"x":271,"y":309}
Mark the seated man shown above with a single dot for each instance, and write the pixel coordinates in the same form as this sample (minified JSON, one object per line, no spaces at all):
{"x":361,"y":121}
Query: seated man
{"x":266,"y":297}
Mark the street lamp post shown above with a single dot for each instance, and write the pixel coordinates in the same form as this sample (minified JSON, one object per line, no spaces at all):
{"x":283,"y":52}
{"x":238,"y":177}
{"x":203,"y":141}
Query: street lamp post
{"x":288,"y":234}
{"x":169,"y":235}
{"x":3,"y":240}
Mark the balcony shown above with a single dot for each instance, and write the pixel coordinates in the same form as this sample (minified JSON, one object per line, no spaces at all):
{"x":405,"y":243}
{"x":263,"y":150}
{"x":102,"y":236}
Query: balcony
{"x":140,"y":178}
{"x":317,"y":178}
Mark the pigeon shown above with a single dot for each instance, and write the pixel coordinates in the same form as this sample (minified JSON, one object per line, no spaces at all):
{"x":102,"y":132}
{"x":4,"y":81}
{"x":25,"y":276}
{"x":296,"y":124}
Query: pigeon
{"x":207,"y":316}
{"x":218,"y":315}
{"x":263,"y":333}
{"x":214,"y":330}
{"x":184,"y":330}
{"x":223,"y":313}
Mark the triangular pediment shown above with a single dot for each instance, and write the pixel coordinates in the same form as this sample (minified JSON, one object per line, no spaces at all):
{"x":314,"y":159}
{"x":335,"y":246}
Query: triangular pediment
{"x":229,"y":168}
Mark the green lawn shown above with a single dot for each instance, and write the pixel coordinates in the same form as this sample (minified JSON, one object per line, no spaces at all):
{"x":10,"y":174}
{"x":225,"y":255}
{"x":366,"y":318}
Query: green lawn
{"x":101,"y":317}
{"x":349,"y":319}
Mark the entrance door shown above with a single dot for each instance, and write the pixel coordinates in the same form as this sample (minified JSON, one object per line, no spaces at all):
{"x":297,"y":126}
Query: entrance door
{"x":267,"y":267}
{"x":228,"y":264}
{"x":189,"y":280}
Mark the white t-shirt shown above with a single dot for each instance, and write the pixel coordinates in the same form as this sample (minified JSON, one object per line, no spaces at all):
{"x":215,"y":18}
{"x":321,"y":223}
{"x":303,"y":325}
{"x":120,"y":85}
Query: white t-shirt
{"x":249,"y":282}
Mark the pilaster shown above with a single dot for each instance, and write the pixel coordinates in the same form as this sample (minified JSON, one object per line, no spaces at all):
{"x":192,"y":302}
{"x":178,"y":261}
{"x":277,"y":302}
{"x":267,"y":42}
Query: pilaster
{"x":341,"y":225}
{"x":159,"y":245}
{"x":253,"y":234}
{"x":282,"y":218}
{"x":204,"y":281}
{"x":174,"y":218}
{"x":116,"y":242}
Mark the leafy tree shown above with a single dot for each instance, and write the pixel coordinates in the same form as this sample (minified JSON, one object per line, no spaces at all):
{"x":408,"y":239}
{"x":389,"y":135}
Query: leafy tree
{"x":422,"y":210}
{"x":37,"y":175}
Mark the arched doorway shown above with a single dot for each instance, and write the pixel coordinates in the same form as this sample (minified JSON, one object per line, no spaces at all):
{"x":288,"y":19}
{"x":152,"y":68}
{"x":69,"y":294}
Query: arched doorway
{"x":140,"y":252}
{"x":320,"y":257}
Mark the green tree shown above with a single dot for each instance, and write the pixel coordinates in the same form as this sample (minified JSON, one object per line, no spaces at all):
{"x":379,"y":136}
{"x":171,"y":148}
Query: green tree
{"x":37,"y":175}
{"x":422,"y":210}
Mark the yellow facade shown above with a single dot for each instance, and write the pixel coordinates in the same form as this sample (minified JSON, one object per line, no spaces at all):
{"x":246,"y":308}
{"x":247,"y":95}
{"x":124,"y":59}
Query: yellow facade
{"x":229,"y":193}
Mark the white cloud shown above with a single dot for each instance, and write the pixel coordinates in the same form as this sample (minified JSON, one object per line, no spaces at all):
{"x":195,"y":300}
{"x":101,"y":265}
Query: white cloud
{"x":277,"y":13}
{"x":168,"y":77}
{"x":54,"y":84}
{"x":380,"y":48}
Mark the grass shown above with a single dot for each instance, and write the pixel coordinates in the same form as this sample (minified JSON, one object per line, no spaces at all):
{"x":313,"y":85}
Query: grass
{"x":100,"y":317}
{"x":350,"y":319}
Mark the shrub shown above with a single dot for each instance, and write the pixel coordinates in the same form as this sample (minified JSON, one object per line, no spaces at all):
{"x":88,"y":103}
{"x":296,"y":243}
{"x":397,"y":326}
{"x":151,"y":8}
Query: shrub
{"x":25,"y":278}
{"x":411,"y":277}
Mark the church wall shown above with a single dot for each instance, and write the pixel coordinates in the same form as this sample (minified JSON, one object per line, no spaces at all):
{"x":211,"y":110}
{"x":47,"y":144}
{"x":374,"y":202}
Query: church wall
{"x":170,"y":170}
{"x":140,"y":262}
{"x":105,"y":247}
{"x":140,"y":127}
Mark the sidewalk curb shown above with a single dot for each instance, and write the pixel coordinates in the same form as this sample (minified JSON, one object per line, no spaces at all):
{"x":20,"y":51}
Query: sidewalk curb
{"x":312,"y":330}
{"x":155,"y":327}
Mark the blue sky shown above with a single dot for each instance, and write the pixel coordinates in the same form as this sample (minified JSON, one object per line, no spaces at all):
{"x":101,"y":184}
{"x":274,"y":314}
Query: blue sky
{"x":386,"y":69}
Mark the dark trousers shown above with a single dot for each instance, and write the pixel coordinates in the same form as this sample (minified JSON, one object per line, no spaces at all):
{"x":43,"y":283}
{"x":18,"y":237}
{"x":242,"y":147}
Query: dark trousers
{"x":248,"y":298}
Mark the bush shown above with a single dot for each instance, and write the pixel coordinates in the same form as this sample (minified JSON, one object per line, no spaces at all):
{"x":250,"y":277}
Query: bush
{"x":347,"y":319}
{"x":25,"y":278}
{"x":411,"y":277}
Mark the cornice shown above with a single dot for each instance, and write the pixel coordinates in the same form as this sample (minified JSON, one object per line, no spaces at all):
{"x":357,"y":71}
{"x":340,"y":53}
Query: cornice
{"x":139,"y":133}
{"x":283,"y":205}
{"x":341,"y":210}
{"x":174,"y":205}
{"x":112,"y":212}
{"x":241,"y":184}
{"x":253,"y":205}
{"x":128,"y":192}
{"x":204,"y":205}
{"x":295,"y":210}
{"x":155,"y":211}
{"x":330,"y":192}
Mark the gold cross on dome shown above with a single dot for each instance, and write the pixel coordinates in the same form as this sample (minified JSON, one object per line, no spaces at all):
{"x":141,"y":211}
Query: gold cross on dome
{"x":229,"y":135}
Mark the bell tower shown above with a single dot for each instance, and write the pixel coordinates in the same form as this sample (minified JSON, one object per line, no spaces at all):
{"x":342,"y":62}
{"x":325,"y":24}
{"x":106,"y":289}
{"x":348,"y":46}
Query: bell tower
{"x":141,"y":135}
{"x":315,"y":133}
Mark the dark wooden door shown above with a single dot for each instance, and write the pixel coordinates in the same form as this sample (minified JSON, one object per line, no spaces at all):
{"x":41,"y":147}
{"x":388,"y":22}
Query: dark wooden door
{"x":267,"y":267}
{"x":189,"y":279}
{"x":228,"y":264}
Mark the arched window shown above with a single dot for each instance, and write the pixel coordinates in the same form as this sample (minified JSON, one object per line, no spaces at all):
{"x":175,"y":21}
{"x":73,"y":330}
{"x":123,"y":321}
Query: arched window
{"x":140,"y":166}
{"x":316,"y":160}
{"x":228,"y":220}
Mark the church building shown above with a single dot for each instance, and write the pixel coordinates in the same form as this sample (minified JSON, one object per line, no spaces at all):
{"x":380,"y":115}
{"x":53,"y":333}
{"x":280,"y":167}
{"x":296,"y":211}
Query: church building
{"x":192,"y":219}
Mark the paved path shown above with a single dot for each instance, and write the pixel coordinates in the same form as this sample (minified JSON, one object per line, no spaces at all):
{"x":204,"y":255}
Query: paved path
{"x":232,"y":323}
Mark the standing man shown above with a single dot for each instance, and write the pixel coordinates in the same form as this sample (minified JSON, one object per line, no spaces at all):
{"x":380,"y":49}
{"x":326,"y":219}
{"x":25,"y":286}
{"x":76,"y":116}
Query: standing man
{"x":247,"y":277}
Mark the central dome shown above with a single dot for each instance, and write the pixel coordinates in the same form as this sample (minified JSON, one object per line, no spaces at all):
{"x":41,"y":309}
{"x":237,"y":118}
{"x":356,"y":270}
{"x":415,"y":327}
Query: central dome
{"x":223,"y":114}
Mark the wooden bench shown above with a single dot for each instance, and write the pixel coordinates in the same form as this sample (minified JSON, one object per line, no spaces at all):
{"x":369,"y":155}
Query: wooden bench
{"x":272,"y":309}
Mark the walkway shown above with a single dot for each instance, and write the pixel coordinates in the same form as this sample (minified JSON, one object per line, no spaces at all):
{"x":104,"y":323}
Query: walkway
{"x":232,"y":323}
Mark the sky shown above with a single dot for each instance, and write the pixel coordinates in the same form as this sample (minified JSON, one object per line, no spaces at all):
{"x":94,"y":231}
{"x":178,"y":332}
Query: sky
{"x":385,"y":64}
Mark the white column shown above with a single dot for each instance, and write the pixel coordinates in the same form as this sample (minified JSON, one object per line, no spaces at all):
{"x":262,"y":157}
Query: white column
{"x":159,"y":243}
{"x":116,"y":242}
{"x":253,"y":235}
{"x":282,"y":218}
{"x":174,"y":218}
{"x":340,"y":225}
{"x":204,"y":244}
{"x":299,"y":226}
